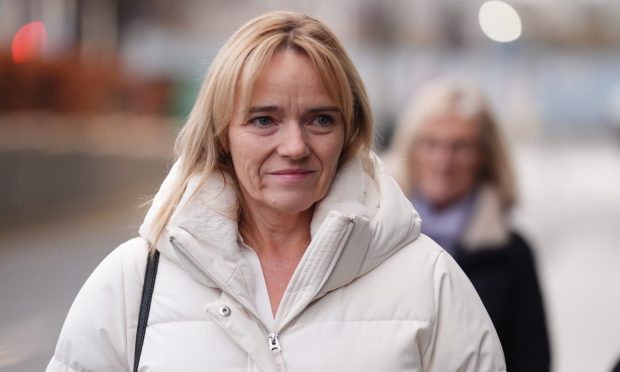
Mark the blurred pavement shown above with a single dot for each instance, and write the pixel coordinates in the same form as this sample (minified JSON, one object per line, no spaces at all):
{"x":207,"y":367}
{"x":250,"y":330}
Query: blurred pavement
{"x":41,"y":270}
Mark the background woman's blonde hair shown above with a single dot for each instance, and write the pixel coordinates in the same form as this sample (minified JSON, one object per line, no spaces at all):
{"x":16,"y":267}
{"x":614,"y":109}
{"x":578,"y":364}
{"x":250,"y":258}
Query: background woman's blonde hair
{"x":451,"y":97}
{"x":201,"y":146}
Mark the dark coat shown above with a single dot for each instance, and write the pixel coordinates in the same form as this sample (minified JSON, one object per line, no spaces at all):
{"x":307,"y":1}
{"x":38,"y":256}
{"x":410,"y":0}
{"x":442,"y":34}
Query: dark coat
{"x":505,"y":278}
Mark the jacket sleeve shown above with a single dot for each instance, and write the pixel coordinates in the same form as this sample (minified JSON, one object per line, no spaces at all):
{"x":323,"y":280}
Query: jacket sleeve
{"x":464,"y":338}
{"x":99,"y":331}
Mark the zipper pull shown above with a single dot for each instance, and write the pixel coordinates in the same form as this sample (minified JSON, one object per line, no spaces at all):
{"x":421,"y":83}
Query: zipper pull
{"x":274,"y":342}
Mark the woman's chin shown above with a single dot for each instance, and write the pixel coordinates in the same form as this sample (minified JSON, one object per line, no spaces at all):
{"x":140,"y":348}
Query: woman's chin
{"x":291,"y":205}
{"x":438,"y":196}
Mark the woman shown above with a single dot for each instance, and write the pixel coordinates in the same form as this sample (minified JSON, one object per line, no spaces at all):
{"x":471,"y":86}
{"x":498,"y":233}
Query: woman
{"x":449,"y":158}
{"x":284,"y":245}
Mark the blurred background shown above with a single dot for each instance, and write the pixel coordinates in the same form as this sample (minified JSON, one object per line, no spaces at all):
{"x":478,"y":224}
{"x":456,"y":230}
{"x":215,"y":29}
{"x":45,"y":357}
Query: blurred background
{"x":93,"y":92}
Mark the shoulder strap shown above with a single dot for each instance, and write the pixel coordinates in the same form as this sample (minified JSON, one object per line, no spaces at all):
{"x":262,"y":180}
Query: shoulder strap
{"x":145,"y":305}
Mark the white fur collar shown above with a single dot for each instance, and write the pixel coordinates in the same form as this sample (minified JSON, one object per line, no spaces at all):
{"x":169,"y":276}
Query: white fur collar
{"x":488,"y":226}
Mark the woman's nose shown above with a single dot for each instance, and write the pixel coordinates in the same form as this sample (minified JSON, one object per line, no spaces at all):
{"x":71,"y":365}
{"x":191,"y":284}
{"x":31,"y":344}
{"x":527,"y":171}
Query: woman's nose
{"x":294,"y":143}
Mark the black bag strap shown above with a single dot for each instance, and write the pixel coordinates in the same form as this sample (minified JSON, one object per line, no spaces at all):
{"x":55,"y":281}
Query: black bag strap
{"x":145,"y":305}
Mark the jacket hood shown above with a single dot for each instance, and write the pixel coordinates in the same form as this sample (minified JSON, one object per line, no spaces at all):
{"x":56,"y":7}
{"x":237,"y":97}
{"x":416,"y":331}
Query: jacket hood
{"x":385,"y":220}
{"x":360,"y":223}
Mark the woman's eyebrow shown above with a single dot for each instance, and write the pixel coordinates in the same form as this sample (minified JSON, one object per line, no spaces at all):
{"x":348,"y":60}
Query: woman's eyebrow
{"x":324,"y":109}
{"x":313,"y":110}
{"x":263,"y":109}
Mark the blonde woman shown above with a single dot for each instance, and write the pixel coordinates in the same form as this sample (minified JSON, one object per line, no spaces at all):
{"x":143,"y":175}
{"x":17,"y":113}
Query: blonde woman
{"x":281,"y":243}
{"x":450,"y":160}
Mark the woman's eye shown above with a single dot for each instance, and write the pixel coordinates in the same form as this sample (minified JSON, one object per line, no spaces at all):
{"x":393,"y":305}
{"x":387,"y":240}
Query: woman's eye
{"x":262,"y":121}
{"x":323,"y":120}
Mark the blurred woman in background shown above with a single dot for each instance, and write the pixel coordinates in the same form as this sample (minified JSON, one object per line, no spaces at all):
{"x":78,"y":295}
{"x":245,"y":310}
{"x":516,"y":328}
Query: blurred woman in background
{"x":449,"y":158}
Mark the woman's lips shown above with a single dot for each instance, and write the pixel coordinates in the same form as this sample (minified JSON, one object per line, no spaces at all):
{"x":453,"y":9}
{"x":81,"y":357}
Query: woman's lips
{"x":292,"y":175}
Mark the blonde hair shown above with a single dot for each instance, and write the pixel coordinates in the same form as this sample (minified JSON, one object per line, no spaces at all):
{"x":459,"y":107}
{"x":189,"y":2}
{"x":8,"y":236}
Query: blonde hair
{"x":451,"y":97}
{"x":201,"y":146}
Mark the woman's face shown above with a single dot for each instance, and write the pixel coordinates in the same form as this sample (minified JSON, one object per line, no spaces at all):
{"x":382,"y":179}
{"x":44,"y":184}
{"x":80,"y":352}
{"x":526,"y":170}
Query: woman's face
{"x":285,"y":147}
{"x":447,"y":159}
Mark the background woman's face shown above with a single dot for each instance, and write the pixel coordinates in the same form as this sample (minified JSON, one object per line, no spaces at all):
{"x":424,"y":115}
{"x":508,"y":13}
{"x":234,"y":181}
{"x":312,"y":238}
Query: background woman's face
{"x":447,"y":159}
{"x":285,"y":148}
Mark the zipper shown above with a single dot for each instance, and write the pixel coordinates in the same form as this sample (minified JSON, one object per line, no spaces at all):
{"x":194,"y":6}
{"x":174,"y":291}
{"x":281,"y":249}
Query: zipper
{"x":274,"y":342}
{"x":273,"y":338}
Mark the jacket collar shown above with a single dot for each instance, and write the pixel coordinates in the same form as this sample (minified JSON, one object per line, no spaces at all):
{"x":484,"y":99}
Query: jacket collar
{"x":360,"y":223}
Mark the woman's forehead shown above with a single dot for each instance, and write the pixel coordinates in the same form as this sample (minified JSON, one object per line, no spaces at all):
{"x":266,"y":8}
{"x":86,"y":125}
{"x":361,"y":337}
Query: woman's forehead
{"x":273,"y":78}
{"x":450,"y":126}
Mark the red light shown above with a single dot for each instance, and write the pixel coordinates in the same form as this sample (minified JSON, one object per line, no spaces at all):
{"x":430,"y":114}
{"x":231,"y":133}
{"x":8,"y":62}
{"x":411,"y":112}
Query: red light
{"x":29,"y":42}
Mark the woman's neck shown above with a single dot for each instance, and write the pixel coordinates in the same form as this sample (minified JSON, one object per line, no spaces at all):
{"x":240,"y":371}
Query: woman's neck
{"x":274,"y":233}
{"x":280,"y":242}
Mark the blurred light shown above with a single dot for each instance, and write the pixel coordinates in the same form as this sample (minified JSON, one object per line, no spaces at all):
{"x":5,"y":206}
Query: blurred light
{"x":29,"y":42}
{"x":499,"y":21}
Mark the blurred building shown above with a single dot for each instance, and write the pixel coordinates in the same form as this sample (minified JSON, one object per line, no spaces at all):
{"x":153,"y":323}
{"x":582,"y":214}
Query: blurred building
{"x":73,"y":70}
{"x":148,"y":56}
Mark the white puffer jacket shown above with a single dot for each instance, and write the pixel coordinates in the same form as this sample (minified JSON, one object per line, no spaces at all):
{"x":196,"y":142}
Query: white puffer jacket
{"x":370,"y":294}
